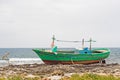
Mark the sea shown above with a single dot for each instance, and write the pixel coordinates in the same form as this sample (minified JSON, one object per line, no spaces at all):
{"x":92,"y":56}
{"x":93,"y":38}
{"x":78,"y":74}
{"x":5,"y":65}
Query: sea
{"x":18,"y":56}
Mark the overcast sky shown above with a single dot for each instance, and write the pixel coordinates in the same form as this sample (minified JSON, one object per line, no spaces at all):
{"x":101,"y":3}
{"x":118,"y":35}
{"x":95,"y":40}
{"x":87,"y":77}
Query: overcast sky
{"x":31,"y":23}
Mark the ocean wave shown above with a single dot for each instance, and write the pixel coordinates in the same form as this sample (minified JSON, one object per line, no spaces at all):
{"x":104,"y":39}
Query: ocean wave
{"x":20,"y":61}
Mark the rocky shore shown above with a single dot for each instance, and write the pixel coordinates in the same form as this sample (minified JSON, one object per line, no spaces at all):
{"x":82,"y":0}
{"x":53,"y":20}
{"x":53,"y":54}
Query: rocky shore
{"x":43,"y":70}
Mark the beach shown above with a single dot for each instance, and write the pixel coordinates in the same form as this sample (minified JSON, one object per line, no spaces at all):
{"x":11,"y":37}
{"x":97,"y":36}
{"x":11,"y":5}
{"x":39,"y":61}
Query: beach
{"x":24,"y":62}
{"x":59,"y":70}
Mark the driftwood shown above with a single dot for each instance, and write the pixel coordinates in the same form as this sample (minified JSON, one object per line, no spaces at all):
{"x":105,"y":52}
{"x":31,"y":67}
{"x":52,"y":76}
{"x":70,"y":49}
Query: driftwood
{"x":5,"y":56}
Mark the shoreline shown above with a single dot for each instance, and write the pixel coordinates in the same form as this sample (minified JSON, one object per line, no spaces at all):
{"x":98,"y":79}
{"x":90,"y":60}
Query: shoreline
{"x":45,"y":70}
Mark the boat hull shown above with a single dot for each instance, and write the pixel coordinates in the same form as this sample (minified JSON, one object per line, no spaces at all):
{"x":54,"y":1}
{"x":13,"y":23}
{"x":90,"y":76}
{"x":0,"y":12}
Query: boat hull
{"x":71,"y":62}
{"x":71,"y":58}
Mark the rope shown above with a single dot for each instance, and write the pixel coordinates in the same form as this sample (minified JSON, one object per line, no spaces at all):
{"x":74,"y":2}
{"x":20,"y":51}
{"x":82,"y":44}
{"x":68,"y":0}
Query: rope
{"x":73,"y":41}
{"x":68,"y":41}
{"x":72,"y":61}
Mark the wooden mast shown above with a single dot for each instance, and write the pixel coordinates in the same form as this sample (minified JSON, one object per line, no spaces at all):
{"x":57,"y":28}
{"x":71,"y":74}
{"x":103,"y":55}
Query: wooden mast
{"x":53,"y":41}
{"x":83,"y":43}
{"x":90,"y":43}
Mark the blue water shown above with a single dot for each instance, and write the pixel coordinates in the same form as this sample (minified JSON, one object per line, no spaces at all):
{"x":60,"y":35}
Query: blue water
{"x":114,"y":56}
{"x":26,"y":56}
{"x":18,"y":52}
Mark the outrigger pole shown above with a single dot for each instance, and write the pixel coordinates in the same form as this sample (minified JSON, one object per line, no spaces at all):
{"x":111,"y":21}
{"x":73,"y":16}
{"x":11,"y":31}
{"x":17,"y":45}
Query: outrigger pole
{"x":90,"y":43}
{"x":83,"y":43}
{"x":90,"y":47}
{"x":53,"y":41}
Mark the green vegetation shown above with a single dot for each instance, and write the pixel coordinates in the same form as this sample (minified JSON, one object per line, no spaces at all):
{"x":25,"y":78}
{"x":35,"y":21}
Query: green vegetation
{"x":73,"y":77}
{"x":91,"y":77}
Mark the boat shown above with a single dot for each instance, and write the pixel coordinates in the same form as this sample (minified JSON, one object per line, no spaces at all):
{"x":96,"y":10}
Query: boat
{"x":76,"y":56}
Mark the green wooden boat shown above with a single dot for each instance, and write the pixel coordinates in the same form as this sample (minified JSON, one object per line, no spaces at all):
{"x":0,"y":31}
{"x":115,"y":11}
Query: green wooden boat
{"x":84,"y":56}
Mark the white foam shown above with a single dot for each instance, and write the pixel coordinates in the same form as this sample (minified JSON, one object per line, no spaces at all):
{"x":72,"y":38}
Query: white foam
{"x":4,"y":63}
{"x":20,"y":61}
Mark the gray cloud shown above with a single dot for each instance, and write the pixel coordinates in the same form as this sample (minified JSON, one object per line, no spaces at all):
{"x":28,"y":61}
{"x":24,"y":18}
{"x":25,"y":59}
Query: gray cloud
{"x":31,"y":23}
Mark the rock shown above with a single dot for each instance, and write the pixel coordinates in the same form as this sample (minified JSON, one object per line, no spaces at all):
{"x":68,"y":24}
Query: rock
{"x":58,"y":72}
{"x":117,"y":74}
{"x":117,"y":70}
{"x":54,"y":77}
{"x":65,"y":78}
{"x":31,"y":76}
